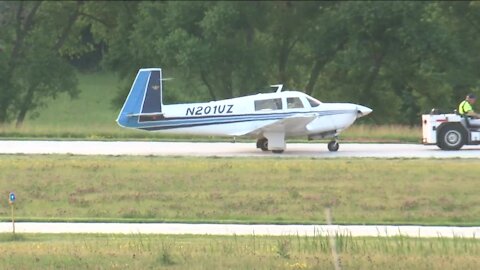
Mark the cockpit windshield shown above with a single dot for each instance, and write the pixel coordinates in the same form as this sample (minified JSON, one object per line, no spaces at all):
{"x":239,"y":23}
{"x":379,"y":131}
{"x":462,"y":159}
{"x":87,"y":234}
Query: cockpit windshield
{"x":313,"y":102}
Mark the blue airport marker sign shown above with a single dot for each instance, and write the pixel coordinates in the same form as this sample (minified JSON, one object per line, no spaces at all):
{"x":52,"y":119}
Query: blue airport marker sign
{"x":11,"y":198}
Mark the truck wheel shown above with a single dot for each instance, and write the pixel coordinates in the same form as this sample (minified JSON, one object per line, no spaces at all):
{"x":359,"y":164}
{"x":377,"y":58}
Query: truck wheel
{"x":451,"y":138}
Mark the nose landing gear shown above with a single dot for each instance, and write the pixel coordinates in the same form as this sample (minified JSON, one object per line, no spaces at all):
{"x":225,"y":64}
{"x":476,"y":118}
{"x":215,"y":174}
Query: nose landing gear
{"x":333,"y":146}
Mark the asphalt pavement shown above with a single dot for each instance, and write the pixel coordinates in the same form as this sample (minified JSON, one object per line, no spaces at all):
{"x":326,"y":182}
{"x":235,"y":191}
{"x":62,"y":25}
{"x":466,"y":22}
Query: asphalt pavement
{"x":222,"y":149}
{"x":241,"y":229}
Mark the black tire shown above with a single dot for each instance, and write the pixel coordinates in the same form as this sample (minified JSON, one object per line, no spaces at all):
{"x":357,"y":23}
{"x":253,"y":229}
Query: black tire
{"x":277,"y":151}
{"x":333,"y":146}
{"x":262,"y":143}
{"x":451,"y":137}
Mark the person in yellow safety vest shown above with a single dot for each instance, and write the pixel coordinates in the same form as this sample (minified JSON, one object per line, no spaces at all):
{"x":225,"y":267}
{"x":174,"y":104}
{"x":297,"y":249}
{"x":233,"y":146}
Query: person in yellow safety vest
{"x":465,"y":107}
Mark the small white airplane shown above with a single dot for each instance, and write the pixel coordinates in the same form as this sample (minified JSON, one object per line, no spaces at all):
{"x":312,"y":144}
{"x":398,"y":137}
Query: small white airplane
{"x":268,"y":117}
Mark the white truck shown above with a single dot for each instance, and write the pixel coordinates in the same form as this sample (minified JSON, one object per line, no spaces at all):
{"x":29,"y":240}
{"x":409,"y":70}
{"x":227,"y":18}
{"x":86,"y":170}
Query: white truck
{"x":449,"y":131}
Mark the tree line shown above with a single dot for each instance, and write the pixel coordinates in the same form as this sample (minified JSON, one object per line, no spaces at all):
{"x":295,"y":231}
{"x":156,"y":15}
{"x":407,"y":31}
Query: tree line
{"x":399,"y":58}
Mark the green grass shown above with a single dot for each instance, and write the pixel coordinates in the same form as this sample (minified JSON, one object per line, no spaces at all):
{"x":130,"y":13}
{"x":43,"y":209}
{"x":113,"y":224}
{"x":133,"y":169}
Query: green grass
{"x":92,"y":109}
{"x":234,"y":252}
{"x":92,"y":116}
{"x":383,"y":133}
{"x":244,"y":190}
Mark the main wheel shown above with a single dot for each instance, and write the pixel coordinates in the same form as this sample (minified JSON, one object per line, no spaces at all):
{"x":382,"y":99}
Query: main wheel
{"x":277,"y":151}
{"x":451,"y":137}
{"x":262,"y":143}
{"x":333,"y":146}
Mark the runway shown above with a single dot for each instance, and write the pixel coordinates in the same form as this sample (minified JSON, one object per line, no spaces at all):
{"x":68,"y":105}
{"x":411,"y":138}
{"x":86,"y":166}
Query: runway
{"x":239,"y":229}
{"x":210,"y":149}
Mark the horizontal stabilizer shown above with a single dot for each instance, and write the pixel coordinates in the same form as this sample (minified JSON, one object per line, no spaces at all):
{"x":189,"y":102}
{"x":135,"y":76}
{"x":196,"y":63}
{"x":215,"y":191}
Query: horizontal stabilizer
{"x":145,"y":117}
{"x":144,"y":114}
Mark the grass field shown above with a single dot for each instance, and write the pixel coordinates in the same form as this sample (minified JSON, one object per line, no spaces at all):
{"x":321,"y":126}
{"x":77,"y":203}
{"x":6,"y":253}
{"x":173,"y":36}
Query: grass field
{"x":245,"y":190}
{"x":92,"y":116}
{"x":240,"y":252}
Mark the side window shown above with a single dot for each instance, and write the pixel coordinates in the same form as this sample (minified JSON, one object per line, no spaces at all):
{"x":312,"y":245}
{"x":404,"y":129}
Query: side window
{"x":294,"y":102}
{"x":268,"y":104}
{"x":313,"y":102}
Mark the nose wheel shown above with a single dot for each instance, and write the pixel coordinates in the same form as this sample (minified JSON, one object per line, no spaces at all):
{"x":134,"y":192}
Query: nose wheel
{"x":333,"y":146}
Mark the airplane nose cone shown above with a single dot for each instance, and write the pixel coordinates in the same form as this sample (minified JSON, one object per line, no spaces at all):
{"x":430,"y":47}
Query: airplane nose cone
{"x":362,"y":110}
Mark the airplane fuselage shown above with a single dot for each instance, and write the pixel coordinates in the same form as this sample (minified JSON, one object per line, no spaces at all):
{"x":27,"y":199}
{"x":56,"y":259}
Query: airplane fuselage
{"x":232,"y":117}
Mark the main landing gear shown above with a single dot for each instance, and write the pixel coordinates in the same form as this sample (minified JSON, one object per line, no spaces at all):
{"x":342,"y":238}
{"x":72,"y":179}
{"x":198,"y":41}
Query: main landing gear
{"x":262,"y":143}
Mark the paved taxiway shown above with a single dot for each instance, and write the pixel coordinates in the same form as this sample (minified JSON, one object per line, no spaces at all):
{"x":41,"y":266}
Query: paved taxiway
{"x":317,"y":150}
{"x":239,"y":229}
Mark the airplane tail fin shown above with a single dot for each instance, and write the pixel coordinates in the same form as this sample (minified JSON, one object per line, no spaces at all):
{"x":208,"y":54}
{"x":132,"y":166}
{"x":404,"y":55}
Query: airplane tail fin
{"x":144,"y":102}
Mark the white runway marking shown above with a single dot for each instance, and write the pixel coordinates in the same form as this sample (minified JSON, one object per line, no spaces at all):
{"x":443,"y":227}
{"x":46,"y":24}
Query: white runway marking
{"x":239,"y":229}
{"x":316,"y":150}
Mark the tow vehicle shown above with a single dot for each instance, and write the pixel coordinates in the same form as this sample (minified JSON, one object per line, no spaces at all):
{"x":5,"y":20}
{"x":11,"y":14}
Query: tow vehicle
{"x":449,"y":131}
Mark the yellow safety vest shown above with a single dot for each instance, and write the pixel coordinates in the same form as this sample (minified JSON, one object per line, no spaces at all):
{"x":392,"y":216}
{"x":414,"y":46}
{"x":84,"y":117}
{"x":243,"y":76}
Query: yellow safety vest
{"x":464,"y":107}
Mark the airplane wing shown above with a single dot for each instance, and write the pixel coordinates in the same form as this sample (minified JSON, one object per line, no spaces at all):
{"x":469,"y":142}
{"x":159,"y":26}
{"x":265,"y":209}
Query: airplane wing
{"x":297,"y":122}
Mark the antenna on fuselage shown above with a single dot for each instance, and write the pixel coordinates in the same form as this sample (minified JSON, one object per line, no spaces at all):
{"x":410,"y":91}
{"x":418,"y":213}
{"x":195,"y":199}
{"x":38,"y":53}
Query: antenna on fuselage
{"x":278,"y":86}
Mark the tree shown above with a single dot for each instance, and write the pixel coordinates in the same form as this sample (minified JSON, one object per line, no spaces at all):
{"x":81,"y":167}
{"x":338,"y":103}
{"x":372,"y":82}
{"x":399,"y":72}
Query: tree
{"x":38,"y":37}
{"x":210,"y":47}
{"x":400,"y":58}
{"x":213,"y":42}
